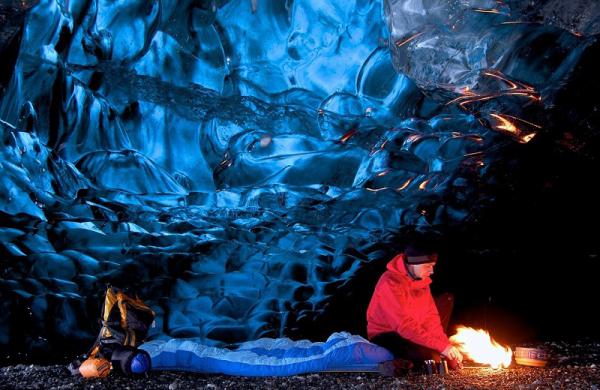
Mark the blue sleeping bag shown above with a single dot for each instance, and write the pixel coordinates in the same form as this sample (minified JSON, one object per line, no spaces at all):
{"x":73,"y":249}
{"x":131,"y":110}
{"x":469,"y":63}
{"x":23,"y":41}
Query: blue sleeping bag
{"x":268,"y":357}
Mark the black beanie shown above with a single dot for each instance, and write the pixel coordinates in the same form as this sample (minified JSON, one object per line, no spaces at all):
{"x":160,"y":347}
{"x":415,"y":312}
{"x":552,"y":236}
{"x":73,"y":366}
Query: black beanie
{"x":419,"y":254}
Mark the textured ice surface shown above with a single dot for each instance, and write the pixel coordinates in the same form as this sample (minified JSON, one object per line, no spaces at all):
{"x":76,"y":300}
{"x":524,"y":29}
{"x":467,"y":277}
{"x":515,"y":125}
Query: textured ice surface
{"x":241,"y":163}
{"x":452,"y":44}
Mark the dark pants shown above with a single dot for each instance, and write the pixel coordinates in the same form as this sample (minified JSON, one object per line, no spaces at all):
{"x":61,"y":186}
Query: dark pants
{"x":405,"y":349}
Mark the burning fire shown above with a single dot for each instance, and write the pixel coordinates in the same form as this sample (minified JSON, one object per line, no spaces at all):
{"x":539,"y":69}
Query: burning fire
{"x":478,"y":346}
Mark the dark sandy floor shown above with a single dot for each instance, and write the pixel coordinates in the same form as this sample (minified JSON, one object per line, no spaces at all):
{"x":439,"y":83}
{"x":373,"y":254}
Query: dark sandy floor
{"x":573,"y":366}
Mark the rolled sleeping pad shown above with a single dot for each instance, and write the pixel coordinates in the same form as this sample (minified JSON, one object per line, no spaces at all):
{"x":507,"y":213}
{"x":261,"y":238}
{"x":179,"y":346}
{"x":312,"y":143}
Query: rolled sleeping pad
{"x":130,"y":360}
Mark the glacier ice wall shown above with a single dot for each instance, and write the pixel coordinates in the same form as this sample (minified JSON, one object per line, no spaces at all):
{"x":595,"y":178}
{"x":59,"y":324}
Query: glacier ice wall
{"x":242,"y":164}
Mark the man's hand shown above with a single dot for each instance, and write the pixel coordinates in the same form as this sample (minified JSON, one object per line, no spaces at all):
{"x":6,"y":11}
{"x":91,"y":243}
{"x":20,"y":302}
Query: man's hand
{"x":453,"y":353}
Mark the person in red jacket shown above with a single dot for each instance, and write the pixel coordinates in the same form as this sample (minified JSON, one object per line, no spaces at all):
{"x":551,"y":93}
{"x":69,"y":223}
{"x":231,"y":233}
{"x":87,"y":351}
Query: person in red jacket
{"x":403,"y":316}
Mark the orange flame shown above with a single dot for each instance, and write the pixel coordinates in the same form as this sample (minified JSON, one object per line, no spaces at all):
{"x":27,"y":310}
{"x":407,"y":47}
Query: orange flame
{"x":478,"y":346}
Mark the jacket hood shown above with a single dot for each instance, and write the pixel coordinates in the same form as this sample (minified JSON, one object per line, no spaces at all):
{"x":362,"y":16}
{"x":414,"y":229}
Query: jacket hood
{"x":397,"y":267}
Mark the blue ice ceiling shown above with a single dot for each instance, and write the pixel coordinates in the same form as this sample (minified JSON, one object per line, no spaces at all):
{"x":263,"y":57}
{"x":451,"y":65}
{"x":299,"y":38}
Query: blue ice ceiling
{"x":240,"y":162}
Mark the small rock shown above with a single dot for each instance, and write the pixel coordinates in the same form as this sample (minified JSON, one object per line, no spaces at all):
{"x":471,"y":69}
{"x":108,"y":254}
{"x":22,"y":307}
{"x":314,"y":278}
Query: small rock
{"x":173,"y":386}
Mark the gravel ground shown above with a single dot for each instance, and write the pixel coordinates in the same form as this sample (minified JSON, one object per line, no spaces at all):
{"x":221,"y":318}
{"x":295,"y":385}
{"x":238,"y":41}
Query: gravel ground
{"x":55,"y":377}
{"x":573,"y":366}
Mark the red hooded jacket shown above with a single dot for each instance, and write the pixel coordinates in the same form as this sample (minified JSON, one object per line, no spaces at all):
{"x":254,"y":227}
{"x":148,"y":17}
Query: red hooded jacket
{"x":404,"y":305}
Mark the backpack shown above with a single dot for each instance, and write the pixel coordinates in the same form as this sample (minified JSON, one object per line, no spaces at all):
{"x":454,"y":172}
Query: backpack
{"x":125,"y":324}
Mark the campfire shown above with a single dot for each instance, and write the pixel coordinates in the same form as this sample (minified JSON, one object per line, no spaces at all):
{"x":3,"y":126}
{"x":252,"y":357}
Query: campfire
{"x":478,"y":346}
